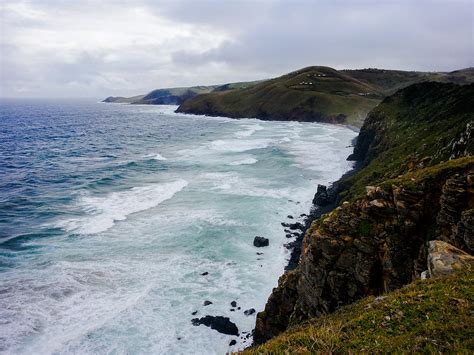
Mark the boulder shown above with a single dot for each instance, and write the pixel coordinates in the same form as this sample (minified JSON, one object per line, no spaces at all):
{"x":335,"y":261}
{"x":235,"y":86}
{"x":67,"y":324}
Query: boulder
{"x":443,"y":258}
{"x":221,"y":324}
{"x":321,"y":198}
{"x":260,"y":242}
{"x":249,"y":312}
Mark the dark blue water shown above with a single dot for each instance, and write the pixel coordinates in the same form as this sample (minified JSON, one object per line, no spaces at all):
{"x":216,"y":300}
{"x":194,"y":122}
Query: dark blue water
{"x":109,"y":214}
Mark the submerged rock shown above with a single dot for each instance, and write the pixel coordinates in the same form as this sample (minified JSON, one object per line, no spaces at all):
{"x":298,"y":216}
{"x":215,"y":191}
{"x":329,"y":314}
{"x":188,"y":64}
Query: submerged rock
{"x":260,"y":242}
{"x":233,"y":304}
{"x":221,"y":324}
{"x":207,"y":303}
{"x":249,"y":312}
{"x":233,"y":342}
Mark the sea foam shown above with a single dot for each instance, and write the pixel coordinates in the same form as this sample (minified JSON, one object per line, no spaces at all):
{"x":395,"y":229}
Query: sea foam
{"x":104,"y":211}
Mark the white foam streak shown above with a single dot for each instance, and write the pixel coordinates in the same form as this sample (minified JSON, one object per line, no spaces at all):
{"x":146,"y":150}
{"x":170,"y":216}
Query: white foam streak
{"x":104,"y":211}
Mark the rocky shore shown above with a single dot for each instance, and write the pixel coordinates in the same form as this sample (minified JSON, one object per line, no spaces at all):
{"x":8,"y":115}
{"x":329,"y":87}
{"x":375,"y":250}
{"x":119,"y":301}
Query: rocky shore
{"x":368,"y":234}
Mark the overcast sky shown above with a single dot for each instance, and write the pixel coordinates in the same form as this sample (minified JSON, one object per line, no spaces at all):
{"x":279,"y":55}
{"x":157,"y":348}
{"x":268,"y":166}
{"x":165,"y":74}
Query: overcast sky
{"x":94,"y":48}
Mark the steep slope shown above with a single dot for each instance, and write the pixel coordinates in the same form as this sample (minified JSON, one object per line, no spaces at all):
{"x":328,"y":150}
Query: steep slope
{"x":315,"y":94}
{"x":415,"y":183}
{"x":434,"y":315}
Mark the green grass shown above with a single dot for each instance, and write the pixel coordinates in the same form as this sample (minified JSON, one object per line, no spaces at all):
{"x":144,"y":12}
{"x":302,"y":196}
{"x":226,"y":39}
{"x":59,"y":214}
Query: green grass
{"x":314,"y":94}
{"x":413,"y":125}
{"x":427,"y":316}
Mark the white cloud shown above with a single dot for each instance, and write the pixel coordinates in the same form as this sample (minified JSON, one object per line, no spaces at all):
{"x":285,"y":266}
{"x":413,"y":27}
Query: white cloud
{"x":98,"y":48}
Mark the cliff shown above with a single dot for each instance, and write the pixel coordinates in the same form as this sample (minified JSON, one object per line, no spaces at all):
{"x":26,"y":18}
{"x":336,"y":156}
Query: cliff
{"x":315,"y":93}
{"x":415,"y":183}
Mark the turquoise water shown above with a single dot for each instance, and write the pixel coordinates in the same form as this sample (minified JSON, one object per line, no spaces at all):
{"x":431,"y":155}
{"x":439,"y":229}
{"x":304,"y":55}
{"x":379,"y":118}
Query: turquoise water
{"x":109,"y":214}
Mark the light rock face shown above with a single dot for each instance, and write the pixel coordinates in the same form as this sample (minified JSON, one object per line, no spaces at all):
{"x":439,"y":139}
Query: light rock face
{"x":373,"y":245}
{"x":443,"y":259}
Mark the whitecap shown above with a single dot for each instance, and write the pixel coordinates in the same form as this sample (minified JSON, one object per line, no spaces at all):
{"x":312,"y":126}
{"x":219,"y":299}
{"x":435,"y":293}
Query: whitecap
{"x":156,"y":156}
{"x":239,"y":145}
{"x":251,"y":129}
{"x":246,"y":161}
{"x":103,"y":211}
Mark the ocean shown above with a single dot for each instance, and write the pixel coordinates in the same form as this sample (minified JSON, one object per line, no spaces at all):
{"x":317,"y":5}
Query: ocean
{"x":117,"y":222}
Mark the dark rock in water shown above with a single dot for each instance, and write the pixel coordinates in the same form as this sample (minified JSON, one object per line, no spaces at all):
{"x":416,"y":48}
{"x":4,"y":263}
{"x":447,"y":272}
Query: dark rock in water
{"x":194,"y":313}
{"x":321,"y":198}
{"x":221,"y":324}
{"x":238,"y":308}
{"x":303,"y":215}
{"x":284,"y":224}
{"x":258,"y":253}
{"x":232,"y":310}
{"x":297,"y":226}
{"x":260,"y":242}
{"x":232,"y":342}
{"x":204,"y":273}
{"x":249,"y":312}
{"x":233,"y":304}
{"x":207,"y":303}
{"x":178,"y":338}
{"x":289,"y":235}
{"x":290,"y":216}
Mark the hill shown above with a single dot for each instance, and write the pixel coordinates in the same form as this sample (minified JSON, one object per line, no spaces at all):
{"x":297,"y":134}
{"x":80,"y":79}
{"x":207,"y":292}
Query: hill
{"x":414,"y":183}
{"x":176,"y":96}
{"x":315,"y":94}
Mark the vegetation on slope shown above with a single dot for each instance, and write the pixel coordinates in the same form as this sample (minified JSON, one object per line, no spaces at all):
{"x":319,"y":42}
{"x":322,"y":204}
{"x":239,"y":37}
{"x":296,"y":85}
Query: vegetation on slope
{"x":434,"y":315}
{"x":176,"y":96}
{"x":315,"y":94}
{"x":419,"y":126}
{"x":415,"y":184}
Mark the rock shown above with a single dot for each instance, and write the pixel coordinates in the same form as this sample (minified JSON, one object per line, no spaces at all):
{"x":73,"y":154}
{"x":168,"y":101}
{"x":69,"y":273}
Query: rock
{"x":258,"y":253}
{"x":221,"y":324}
{"x":207,"y":303}
{"x":233,"y":304}
{"x":289,"y":216}
{"x":194,"y":313}
{"x":443,"y":259}
{"x":260,"y":242}
{"x":424,"y":275}
{"x":233,"y":342}
{"x":249,"y":312}
{"x":321,"y":197}
{"x":204,"y":273}
{"x":297,"y":226}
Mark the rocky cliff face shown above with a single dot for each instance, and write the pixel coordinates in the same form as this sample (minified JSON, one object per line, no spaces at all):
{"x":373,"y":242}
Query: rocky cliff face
{"x":377,"y":240}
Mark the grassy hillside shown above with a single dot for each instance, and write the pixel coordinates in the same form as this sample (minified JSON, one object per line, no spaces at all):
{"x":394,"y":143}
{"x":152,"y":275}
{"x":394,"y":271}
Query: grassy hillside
{"x":171,"y":96}
{"x":176,"y":96}
{"x":411,"y":129}
{"x":414,"y":184}
{"x":315,"y":94}
{"x":435,"y":315}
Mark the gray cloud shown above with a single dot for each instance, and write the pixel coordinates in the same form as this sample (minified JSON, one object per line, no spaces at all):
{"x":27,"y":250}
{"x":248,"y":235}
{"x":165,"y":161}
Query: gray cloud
{"x":94,"y":48}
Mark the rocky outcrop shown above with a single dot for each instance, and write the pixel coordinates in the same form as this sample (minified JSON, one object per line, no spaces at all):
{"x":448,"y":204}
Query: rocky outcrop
{"x":221,"y":324}
{"x":260,"y":242}
{"x":443,"y":259}
{"x":407,"y":192}
{"x":369,"y":247}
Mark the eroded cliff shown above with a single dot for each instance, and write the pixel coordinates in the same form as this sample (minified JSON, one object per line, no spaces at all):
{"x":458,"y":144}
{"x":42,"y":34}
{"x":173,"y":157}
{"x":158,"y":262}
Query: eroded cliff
{"x":415,"y":184}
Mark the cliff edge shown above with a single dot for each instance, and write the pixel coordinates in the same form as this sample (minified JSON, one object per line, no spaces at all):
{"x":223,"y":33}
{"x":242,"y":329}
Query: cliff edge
{"x":415,"y":184}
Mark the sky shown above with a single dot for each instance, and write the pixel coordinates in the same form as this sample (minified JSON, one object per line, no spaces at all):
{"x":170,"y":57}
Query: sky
{"x":93,"y":48}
